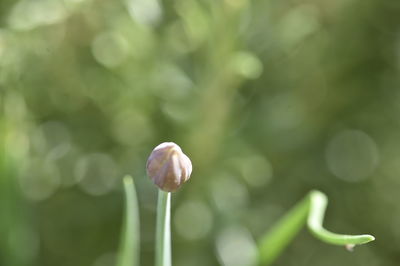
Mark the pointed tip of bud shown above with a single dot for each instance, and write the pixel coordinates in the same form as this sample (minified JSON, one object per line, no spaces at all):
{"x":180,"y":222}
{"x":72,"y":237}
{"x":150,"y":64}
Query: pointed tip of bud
{"x":168,"y":167}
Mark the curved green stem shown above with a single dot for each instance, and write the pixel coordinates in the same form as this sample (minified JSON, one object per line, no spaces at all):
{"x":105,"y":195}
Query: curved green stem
{"x":310,"y":210}
{"x":318,"y":202}
{"x":163,"y":230}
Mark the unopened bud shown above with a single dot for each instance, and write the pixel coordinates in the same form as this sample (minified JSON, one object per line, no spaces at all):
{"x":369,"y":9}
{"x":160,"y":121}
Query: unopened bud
{"x":168,"y":166}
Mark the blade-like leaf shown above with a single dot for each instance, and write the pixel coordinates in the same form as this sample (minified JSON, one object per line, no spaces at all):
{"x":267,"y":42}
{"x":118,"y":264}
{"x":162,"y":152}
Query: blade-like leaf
{"x":318,"y":201}
{"x":282,"y":233}
{"x":310,"y":210}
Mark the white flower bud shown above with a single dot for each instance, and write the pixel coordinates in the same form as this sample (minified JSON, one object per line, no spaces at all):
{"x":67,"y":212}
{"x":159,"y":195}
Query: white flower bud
{"x":168,"y":166}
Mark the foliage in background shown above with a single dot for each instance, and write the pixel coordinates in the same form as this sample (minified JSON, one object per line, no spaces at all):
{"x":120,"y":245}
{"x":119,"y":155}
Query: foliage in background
{"x":269,"y":98}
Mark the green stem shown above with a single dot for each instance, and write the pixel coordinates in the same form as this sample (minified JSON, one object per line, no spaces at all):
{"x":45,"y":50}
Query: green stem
{"x":129,"y":247}
{"x":282,"y":233}
{"x":163,"y":230}
{"x":310,"y":210}
{"x":318,"y":202}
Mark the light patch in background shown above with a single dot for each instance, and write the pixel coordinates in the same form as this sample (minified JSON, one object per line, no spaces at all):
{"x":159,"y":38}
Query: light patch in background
{"x":177,"y":40}
{"x":228,"y":194}
{"x":236,"y":4}
{"x":246,"y":65}
{"x":110,"y":49}
{"x":256,"y":170}
{"x":285,"y":111}
{"x":51,"y":137}
{"x":145,"y":12}
{"x":29,"y":14}
{"x":65,"y":161}
{"x":236,"y":247}
{"x":17,"y":144}
{"x":16,"y":137}
{"x":15,"y":107}
{"x":96,"y":174}
{"x":52,"y":141}
{"x":59,"y":151}
{"x":298,"y":23}
{"x":131,"y":128}
{"x":74,"y":3}
{"x":39,"y":179}
{"x":179,"y":113}
{"x":106,"y":259}
{"x":352,"y":155}
{"x":194,"y":21}
{"x":193,"y":220}
{"x":143,"y":43}
{"x":172,"y":83}
{"x":24,"y":242}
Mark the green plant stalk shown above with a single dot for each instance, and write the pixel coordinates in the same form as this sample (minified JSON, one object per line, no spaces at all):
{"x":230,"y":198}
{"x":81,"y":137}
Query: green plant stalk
{"x":310,"y":210}
{"x":130,"y":240}
{"x":318,"y":202}
{"x":282,"y":233}
{"x":163,"y":230}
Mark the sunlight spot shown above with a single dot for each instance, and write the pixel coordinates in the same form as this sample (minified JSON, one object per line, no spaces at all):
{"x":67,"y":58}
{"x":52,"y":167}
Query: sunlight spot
{"x":246,"y":65}
{"x":96,"y":174}
{"x":39,"y":179}
{"x":228,"y":194}
{"x":352,"y":155}
{"x":29,"y":14}
{"x":298,"y":24}
{"x":285,"y":112}
{"x":110,"y":49}
{"x":193,"y":220}
{"x":235,"y":247}
{"x":130,"y":123}
{"x":146,"y":12}
{"x":256,"y":170}
{"x":106,"y":259}
{"x":17,"y":144}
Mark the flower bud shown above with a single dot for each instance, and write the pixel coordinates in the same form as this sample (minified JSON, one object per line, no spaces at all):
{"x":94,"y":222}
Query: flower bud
{"x":168,"y":166}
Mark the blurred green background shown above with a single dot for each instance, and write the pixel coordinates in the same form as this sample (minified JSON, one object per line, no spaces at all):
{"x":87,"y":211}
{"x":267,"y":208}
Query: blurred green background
{"x":269,"y":99}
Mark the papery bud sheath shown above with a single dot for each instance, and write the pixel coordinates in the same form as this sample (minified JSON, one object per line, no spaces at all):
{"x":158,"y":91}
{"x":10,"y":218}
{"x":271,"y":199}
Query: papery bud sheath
{"x":168,"y":167}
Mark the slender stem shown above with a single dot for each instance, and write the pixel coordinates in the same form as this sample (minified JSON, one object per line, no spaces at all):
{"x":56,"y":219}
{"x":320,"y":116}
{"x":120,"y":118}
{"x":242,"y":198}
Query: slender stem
{"x":318,"y":202}
{"x":282,"y":233}
{"x":163,"y":230}
{"x":129,"y":246}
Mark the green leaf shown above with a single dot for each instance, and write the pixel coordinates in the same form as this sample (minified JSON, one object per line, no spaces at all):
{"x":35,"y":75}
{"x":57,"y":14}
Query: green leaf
{"x":318,"y":201}
{"x":130,"y":239}
{"x":282,"y":233}
{"x":310,"y":210}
